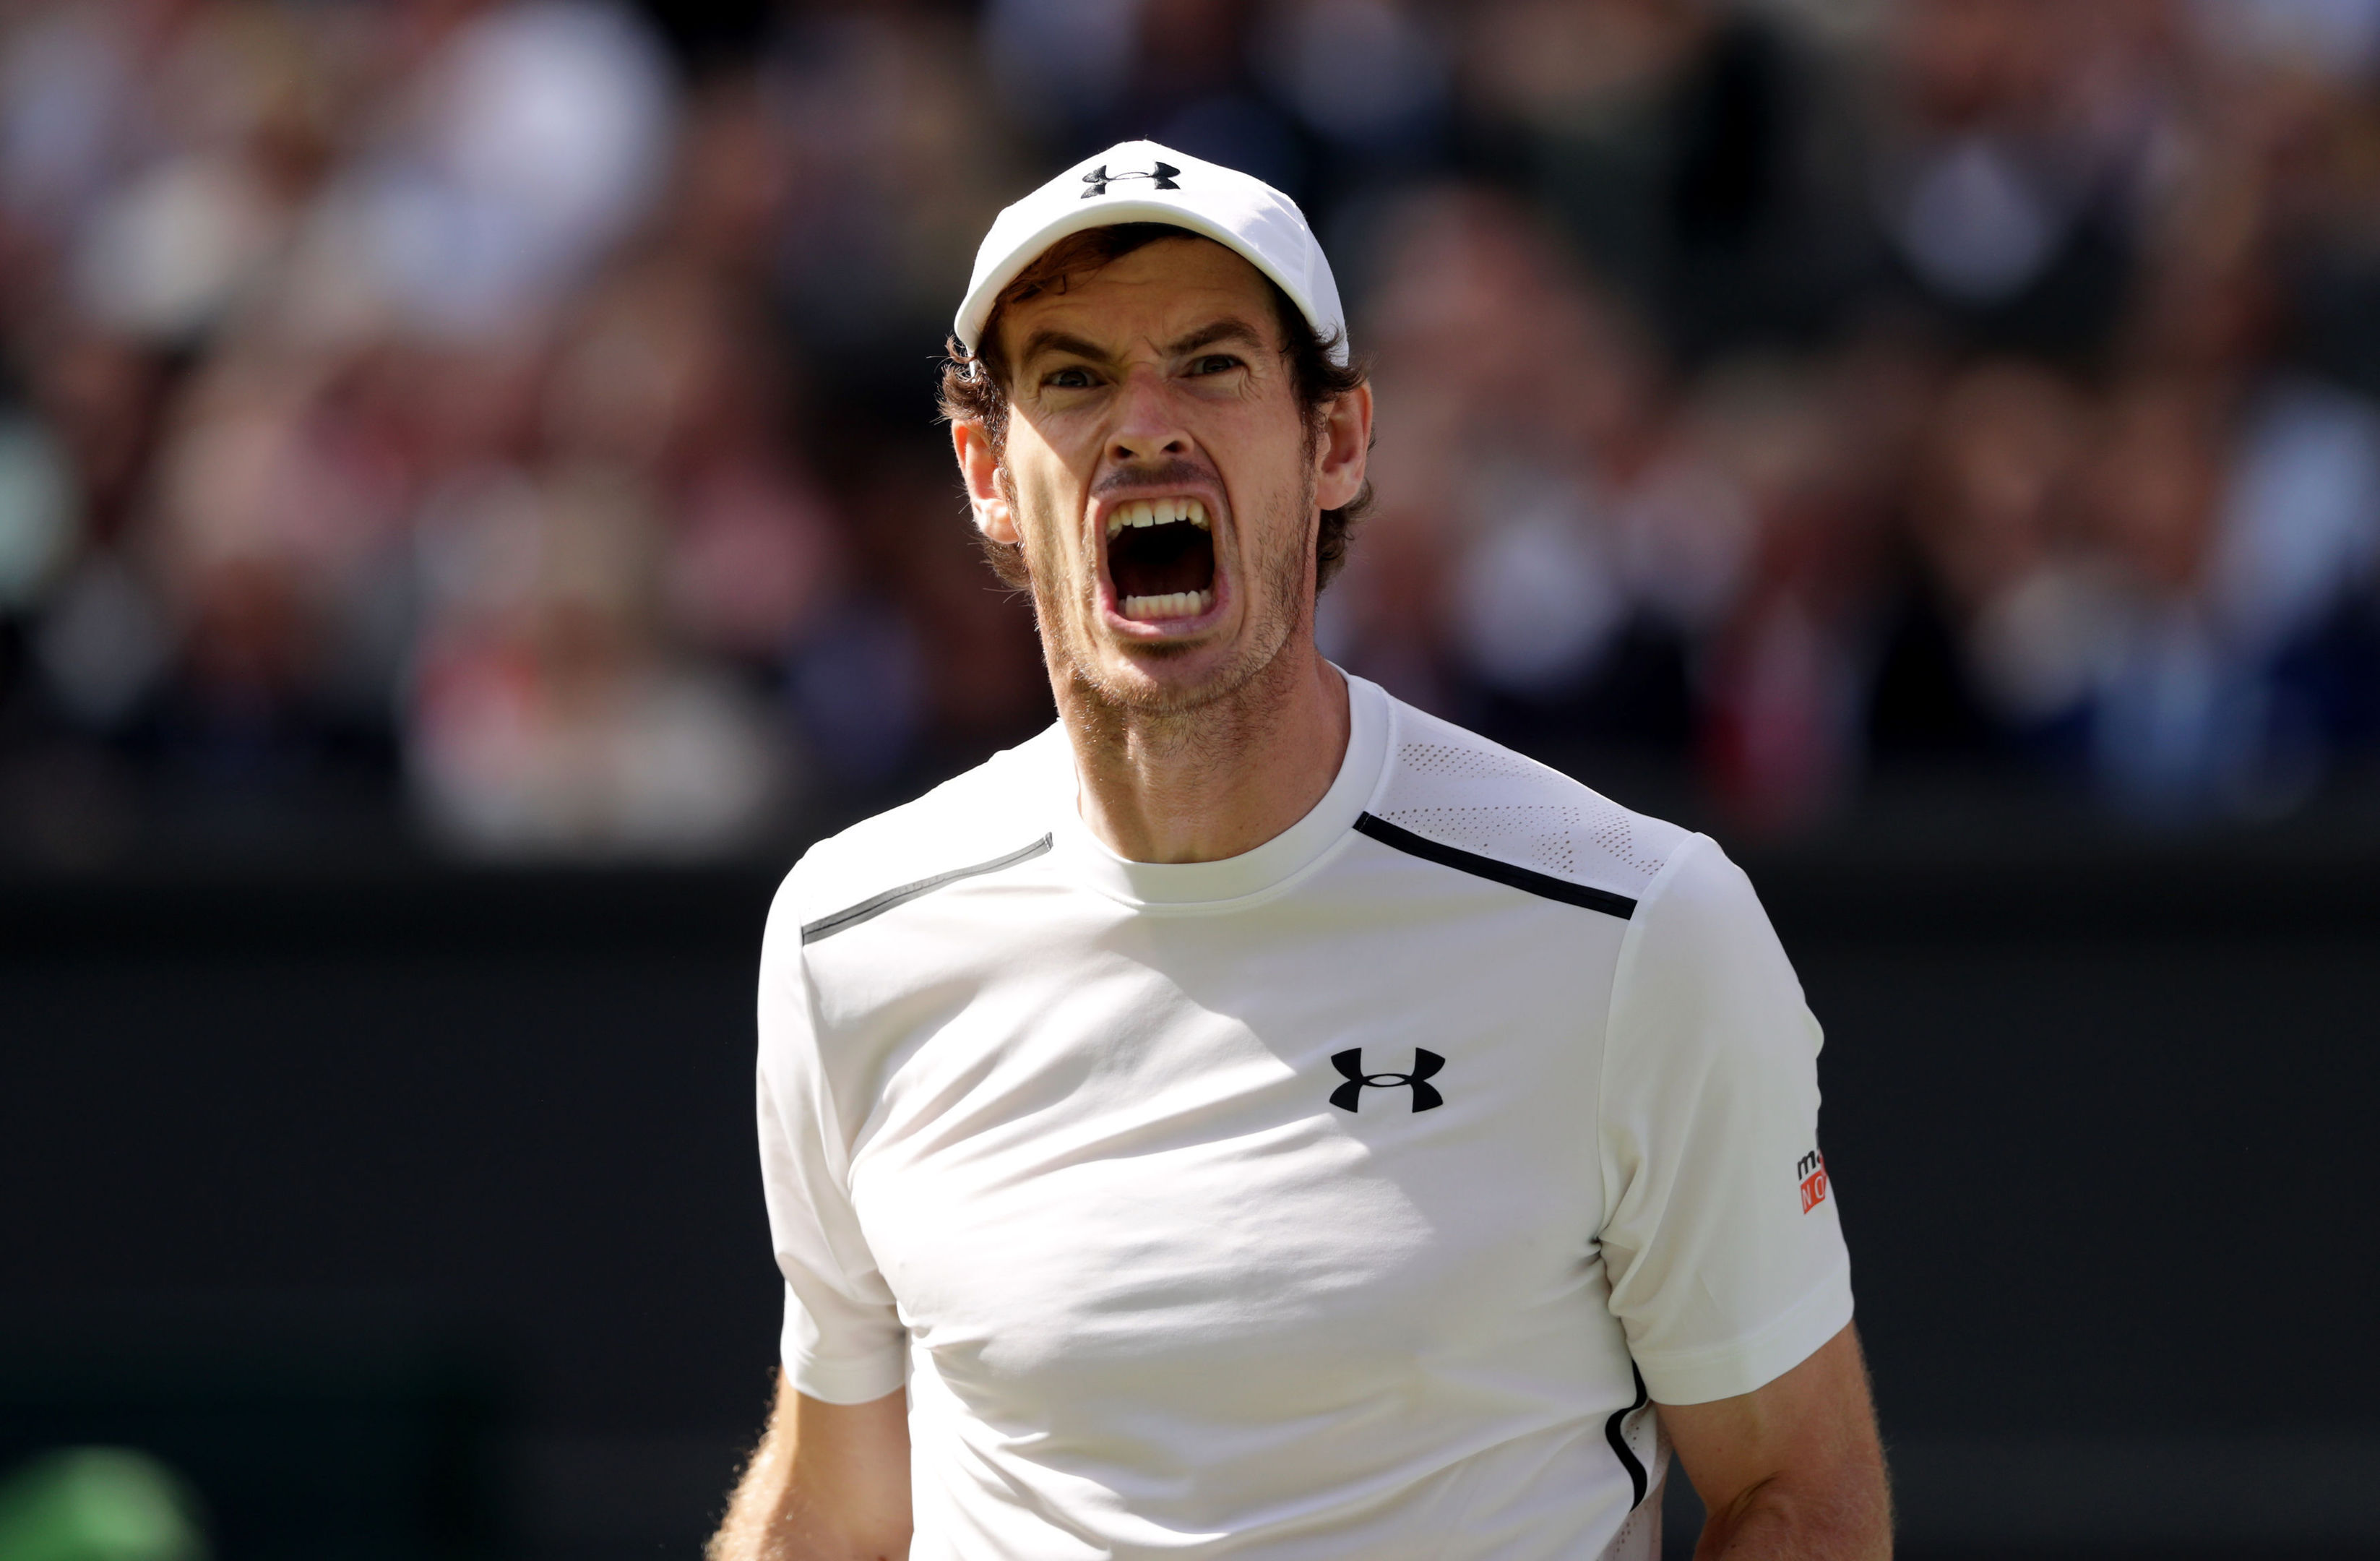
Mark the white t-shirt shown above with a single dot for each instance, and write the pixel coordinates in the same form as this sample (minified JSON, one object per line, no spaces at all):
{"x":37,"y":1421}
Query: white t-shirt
{"x":1325,"y":1202}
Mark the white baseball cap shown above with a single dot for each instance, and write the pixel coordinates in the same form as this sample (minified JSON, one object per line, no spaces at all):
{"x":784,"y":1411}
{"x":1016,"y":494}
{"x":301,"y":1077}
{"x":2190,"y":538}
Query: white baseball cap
{"x":1141,"y":181}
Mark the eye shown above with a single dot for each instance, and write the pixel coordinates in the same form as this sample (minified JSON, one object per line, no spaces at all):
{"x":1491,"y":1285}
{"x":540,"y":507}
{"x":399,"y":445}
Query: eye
{"x":1067,"y":379}
{"x":1214,"y":363}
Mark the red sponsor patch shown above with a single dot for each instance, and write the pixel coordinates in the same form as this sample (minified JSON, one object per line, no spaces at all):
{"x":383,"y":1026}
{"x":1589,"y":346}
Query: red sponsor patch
{"x":1814,"y":1188}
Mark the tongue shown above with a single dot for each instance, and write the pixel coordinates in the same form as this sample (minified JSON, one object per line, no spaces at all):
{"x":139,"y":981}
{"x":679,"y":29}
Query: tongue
{"x":1159,"y":560}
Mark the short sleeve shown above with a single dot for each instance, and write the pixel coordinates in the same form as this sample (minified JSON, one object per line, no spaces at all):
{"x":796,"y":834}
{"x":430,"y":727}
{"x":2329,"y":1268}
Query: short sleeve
{"x":1721,"y":1237}
{"x":843,"y":1342}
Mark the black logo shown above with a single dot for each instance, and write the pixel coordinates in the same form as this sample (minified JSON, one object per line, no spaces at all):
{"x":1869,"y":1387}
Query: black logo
{"x":1098,"y":178}
{"x":1425,"y":1095}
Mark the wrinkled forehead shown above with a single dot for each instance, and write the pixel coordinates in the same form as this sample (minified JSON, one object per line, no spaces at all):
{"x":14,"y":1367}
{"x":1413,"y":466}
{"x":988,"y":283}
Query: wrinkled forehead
{"x":1160,"y":293}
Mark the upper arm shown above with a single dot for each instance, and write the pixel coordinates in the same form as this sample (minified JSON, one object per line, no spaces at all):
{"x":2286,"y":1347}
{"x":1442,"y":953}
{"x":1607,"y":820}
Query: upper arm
{"x":851,"y":1472}
{"x":1719,"y":1238}
{"x":1803,"y":1446}
{"x":843,"y":1339}
{"x":828,"y":1483}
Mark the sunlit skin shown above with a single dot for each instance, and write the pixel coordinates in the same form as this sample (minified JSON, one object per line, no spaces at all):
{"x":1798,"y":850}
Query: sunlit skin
{"x":1161,"y":375}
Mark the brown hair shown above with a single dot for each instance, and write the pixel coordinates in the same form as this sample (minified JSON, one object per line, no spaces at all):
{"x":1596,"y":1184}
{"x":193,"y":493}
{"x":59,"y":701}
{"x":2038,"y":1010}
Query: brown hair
{"x":975,"y":384}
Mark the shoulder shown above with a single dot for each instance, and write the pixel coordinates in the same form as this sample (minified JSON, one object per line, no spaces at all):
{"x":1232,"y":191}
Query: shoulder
{"x":1457,"y":790}
{"x":1703,"y":971}
{"x":972,"y":822}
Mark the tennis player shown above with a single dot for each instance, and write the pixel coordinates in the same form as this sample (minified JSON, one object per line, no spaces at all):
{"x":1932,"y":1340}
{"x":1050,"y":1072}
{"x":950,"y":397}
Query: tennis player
{"x":1255,"y":1117}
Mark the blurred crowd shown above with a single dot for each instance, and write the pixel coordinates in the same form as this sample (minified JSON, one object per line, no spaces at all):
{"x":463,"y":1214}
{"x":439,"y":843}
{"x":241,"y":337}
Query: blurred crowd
{"x":519,"y":411}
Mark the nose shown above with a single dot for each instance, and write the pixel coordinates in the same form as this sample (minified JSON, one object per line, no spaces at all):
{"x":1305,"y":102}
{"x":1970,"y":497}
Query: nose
{"x":1147,"y":427}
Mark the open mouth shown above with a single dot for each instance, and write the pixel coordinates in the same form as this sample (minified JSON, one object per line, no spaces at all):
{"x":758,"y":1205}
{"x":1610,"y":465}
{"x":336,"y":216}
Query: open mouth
{"x":1161,"y":558}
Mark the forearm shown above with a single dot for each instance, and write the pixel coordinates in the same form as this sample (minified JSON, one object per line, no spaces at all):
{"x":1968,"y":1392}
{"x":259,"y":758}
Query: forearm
{"x":757,"y":1524}
{"x":772,"y":1517}
{"x":1782,"y":1520}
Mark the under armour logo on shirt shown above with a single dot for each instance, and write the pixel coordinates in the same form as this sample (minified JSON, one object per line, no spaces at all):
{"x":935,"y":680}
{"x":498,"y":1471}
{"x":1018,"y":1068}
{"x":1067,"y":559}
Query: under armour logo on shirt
{"x":1098,"y":178}
{"x":1347,"y":1096}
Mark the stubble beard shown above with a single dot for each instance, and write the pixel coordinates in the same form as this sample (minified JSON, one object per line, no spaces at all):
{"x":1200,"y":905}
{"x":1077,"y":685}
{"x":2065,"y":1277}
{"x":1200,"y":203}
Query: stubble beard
{"x":1249,"y":685}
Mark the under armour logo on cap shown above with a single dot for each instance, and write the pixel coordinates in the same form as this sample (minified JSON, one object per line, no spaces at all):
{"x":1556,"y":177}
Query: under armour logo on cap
{"x":1098,"y":178}
{"x":1347,"y":1096}
{"x":1141,"y":181}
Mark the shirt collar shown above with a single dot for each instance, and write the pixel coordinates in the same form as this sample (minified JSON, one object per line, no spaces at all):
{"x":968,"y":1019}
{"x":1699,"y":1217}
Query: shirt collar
{"x":1275,"y":862}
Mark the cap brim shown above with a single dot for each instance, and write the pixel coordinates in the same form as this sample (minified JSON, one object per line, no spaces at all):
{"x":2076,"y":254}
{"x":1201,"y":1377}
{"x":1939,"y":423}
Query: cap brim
{"x":974,"y":312}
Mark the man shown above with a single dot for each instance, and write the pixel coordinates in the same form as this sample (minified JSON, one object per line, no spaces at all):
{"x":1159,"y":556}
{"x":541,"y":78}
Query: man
{"x":1255,"y":1117}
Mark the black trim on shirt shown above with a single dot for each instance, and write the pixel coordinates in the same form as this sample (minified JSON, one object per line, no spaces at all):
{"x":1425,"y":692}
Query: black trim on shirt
{"x":1519,"y":878}
{"x":1615,"y":1433}
{"x":852,"y":916}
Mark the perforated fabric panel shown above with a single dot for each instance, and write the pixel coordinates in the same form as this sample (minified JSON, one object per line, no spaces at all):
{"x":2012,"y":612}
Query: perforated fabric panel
{"x":1639,"y":1539}
{"x":1465,"y":763}
{"x":1466,"y":792}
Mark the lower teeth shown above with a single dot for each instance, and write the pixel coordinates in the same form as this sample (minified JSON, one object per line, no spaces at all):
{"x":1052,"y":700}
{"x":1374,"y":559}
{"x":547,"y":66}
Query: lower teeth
{"x":1172,"y":605}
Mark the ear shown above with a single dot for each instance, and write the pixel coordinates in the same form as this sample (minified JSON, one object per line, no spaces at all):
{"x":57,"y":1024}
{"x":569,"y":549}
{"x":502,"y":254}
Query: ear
{"x":1343,"y":450}
{"x":980,"y":466}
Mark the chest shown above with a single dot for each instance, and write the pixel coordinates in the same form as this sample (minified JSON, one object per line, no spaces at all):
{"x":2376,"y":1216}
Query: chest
{"x":1291,"y":1145}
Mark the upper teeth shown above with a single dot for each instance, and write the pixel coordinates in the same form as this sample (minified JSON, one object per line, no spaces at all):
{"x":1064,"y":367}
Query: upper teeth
{"x":1156,"y":512}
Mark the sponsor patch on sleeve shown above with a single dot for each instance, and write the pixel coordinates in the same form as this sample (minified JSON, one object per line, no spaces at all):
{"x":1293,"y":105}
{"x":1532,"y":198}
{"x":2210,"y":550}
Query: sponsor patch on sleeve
{"x":1812,"y":1171}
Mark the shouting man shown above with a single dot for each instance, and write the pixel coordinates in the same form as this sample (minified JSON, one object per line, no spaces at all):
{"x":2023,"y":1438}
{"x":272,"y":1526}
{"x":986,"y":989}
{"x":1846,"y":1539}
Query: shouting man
{"x":1255,"y":1117}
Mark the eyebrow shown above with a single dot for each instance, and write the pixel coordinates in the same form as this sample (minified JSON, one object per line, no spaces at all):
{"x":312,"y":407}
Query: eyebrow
{"x":1223,"y":330}
{"x":1226,"y":329}
{"x":1046,"y":340}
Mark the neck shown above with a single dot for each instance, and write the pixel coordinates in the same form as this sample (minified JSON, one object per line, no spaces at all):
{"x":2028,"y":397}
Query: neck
{"x":1214,"y":781}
